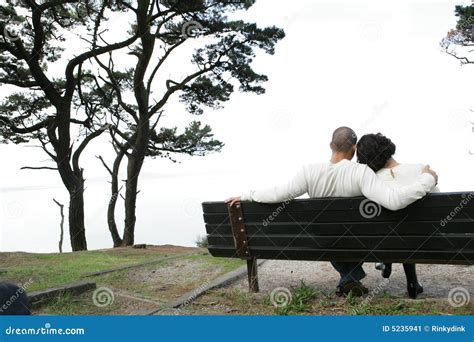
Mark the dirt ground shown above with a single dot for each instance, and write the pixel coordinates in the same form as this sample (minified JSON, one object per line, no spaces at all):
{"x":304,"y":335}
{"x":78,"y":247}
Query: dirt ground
{"x":448,"y":290}
{"x":437,"y":280}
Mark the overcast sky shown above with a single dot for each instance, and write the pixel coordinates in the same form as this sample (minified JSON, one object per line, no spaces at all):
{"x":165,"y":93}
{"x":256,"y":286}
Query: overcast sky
{"x":373,"y":65}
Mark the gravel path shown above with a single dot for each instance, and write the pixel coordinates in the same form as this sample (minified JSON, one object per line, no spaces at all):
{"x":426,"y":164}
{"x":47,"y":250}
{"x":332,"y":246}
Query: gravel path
{"x":437,"y":280}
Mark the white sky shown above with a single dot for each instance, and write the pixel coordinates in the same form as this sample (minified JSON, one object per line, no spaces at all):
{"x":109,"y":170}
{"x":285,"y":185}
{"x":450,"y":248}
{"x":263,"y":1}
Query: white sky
{"x":373,"y":65}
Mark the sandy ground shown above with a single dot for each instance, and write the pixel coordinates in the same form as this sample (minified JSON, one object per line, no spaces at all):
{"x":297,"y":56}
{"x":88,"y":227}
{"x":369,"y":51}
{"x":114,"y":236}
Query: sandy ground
{"x":437,"y":280}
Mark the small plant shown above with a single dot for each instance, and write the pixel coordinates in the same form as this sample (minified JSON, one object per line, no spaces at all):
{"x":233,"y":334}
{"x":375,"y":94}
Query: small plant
{"x":301,"y":298}
{"x":240,"y":298}
{"x":201,"y":242}
{"x":351,"y":300}
{"x":327,"y":298}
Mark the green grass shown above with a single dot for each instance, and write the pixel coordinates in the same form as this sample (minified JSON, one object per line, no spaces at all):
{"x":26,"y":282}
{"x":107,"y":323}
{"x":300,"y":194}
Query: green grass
{"x":306,"y":300}
{"x":407,"y":307}
{"x":301,"y":299}
{"x":41,"y":271}
{"x":228,"y":264}
{"x":240,"y":298}
{"x":49,"y":270}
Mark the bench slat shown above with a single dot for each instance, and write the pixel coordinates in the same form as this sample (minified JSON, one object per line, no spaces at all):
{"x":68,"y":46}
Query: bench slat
{"x":396,"y":256}
{"x":451,"y":243}
{"x":357,"y":228}
{"x":447,"y":199}
{"x":421,"y":214}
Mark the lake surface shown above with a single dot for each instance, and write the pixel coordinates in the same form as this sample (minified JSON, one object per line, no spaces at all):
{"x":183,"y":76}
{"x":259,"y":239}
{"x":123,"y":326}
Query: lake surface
{"x":168,"y":212}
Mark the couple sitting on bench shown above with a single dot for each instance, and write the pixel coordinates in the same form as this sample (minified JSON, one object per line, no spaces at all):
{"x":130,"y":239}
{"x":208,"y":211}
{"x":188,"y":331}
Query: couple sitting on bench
{"x":376,"y":176}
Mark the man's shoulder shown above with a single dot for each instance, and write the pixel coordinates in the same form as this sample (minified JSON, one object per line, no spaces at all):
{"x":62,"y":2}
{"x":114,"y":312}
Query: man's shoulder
{"x":316,"y":166}
{"x":355,"y":165}
{"x":342,"y":164}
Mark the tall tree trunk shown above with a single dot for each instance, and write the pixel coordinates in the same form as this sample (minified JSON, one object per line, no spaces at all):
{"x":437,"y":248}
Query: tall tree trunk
{"x":135,"y":164}
{"x":140,"y":147}
{"x":72,"y":176}
{"x":117,"y":240}
{"x":134,"y":167}
{"x":113,"y":199}
{"x":77,"y":230}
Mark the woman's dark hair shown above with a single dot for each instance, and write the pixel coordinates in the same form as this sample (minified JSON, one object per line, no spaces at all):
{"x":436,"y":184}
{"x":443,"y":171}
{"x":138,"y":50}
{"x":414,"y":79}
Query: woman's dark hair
{"x":375,"y":150}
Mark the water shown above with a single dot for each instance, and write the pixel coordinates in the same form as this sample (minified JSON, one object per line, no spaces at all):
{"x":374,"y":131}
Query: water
{"x":168,"y":212}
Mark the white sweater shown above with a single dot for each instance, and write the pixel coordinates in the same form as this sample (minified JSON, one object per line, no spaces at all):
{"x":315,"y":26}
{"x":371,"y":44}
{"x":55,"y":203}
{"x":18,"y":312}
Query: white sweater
{"x":344,"y":179}
{"x":401,"y":175}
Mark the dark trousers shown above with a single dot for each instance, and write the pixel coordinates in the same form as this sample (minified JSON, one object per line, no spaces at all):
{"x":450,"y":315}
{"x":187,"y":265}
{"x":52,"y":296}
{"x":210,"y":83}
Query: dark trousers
{"x":349,"y":271}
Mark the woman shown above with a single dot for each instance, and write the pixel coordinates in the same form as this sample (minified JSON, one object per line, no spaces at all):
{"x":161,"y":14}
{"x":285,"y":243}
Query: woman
{"x":376,"y":151}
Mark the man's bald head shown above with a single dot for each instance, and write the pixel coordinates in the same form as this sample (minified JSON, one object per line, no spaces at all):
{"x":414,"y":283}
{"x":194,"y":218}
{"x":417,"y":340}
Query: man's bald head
{"x":343,"y":140}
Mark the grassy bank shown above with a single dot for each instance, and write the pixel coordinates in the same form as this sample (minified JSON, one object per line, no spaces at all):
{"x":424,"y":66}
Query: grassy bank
{"x":134,"y":289}
{"x":149,"y":287}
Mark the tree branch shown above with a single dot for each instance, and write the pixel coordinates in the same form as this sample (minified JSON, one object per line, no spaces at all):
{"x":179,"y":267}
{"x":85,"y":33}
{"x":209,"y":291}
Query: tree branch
{"x":38,"y":168}
{"x":31,"y":129}
{"x":71,"y":81}
{"x":160,"y":63}
{"x":171,"y":90}
{"x":105,"y":164}
{"x":82,"y":146}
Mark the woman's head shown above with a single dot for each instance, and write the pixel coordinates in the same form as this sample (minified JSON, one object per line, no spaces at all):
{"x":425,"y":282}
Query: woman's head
{"x":375,"y":150}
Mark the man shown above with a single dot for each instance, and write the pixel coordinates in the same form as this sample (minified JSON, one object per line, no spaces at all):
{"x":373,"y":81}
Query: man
{"x":342,"y":178}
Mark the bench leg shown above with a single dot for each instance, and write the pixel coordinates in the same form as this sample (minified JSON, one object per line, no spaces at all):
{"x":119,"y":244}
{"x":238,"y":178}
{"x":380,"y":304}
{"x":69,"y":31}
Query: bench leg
{"x":413,"y":286}
{"x":252,"y":275}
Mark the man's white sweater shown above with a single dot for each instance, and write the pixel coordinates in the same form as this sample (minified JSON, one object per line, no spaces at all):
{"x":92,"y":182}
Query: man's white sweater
{"x":344,"y":179}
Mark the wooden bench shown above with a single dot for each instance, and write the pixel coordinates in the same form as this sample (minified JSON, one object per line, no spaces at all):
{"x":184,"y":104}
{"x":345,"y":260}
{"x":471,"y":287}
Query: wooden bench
{"x":438,"y":229}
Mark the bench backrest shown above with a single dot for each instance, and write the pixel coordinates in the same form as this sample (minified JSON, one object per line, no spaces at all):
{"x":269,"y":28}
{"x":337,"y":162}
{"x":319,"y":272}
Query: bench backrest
{"x":436,"y":229}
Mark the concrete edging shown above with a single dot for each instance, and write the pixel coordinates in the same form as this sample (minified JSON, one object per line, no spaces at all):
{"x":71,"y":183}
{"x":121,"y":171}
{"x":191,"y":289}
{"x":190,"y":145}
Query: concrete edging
{"x":73,"y":288}
{"x":190,"y":296}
